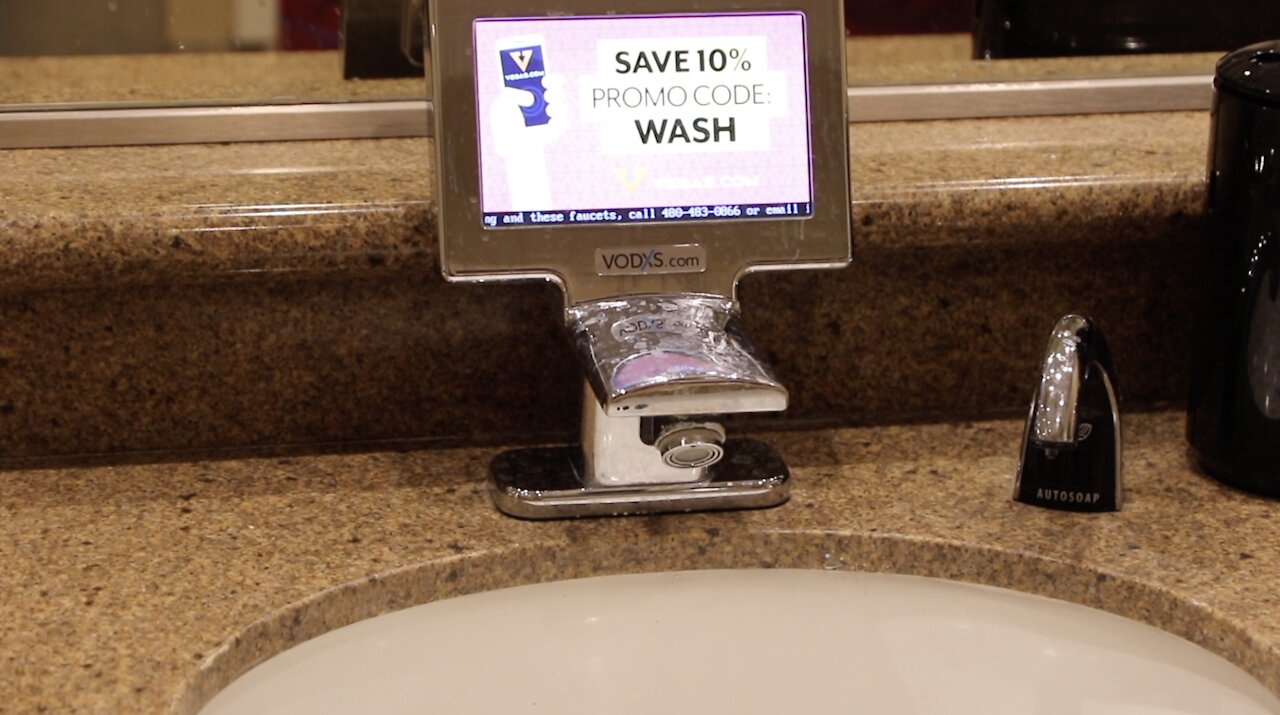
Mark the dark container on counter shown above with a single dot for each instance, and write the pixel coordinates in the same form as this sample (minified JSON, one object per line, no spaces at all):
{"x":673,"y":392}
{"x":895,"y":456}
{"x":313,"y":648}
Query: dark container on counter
{"x":1037,"y":28}
{"x":1233,"y":420}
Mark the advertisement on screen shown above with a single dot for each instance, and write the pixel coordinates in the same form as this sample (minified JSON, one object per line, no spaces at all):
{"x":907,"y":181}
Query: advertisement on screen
{"x":616,"y":120}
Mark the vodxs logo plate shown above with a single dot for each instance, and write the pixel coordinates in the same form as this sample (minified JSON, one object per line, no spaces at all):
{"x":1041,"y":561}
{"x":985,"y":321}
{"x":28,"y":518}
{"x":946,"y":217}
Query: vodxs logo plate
{"x":649,"y":260}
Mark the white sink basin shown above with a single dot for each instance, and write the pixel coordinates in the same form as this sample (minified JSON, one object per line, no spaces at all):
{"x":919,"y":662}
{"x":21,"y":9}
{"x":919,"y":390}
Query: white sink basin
{"x":748,"y":642}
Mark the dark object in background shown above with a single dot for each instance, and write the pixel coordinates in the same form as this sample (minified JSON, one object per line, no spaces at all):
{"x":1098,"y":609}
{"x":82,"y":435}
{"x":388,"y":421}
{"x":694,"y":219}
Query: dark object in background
{"x":309,"y":24}
{"x":1071,"y":446}
{"x":374,"y":38}
{"x":907,"y":17}
{"x":1233,"y":416}
{"x":1036,"y":28}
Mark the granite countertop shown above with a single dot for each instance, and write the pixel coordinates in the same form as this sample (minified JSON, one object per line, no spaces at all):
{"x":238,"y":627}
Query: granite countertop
{"x":144,"y":589}
{"x":121,"y":215}
{"x":198,"y":297}
{"x":290,"y":77}
{"x":190,"y":77}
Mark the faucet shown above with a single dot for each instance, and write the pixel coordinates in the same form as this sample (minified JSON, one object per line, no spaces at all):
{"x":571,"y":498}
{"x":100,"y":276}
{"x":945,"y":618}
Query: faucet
{"x":659,"y":369}
{"x":1071,"y":446}
{"x":645,"y":217}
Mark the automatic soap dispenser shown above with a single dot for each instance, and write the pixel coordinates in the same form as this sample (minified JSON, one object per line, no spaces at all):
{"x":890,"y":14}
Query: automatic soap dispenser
{"x":643,"y":159}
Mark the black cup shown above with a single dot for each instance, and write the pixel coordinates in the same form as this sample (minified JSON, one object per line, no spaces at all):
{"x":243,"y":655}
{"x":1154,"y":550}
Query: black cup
{"x":1233,"y":420}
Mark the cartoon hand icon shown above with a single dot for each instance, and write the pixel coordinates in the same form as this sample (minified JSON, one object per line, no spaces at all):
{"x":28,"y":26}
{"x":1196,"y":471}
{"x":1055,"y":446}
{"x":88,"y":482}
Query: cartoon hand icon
{"x":522,"y":144}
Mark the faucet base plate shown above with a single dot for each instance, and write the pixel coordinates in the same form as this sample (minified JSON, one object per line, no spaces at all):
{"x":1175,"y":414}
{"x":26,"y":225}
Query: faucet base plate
{"x":546,"y":483}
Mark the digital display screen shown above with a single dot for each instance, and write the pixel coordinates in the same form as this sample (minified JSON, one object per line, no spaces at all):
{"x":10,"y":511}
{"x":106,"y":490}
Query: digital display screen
{"x":614,"y":120}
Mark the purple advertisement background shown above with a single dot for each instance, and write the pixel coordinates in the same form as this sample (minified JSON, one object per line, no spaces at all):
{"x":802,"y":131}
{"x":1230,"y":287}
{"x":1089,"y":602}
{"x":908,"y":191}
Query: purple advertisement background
{"x":576,"y":170}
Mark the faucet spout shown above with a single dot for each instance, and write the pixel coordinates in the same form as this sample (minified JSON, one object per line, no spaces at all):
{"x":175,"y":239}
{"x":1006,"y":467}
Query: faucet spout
{"x":659,"y":370}
{"x":649,"y":357}
{"x":671,"y":354}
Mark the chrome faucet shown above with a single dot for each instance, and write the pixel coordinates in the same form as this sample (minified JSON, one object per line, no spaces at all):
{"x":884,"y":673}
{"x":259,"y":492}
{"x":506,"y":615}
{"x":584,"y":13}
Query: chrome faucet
{"x":1071,"y":446}
{"x":537,"y":183}
{"x":660,"y":369}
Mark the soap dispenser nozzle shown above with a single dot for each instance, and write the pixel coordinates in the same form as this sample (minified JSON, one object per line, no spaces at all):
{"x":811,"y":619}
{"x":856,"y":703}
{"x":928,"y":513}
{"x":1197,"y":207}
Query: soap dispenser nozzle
{"x":1071,"y":445}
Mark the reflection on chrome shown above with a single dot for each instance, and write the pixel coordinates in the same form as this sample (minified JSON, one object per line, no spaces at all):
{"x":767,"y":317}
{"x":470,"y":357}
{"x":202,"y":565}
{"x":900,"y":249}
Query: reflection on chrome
{"x":659,"y":370}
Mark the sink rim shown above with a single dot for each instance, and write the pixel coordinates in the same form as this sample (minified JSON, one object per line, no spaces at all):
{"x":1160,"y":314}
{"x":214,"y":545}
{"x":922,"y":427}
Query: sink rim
{"x":423,"y":582}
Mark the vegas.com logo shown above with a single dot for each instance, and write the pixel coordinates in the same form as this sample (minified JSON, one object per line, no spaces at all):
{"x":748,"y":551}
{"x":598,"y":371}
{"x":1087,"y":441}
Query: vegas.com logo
{"x":689,"y":258}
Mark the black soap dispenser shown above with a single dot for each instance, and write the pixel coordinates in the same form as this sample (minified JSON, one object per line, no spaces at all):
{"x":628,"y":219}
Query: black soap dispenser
{"x":1071,"y":446}
{"x":1233,"y":416}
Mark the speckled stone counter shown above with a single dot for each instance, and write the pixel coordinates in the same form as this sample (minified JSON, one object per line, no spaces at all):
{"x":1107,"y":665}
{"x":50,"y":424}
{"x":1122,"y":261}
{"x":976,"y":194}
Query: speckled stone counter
{"x":165,"y":305}
{"x":144,"y":589}
{"x":239,"y":77}
{"x":922,"y":59}
{"x":191,"y":77}
{"x":196,"y":297}
{"x":111,"y":216}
